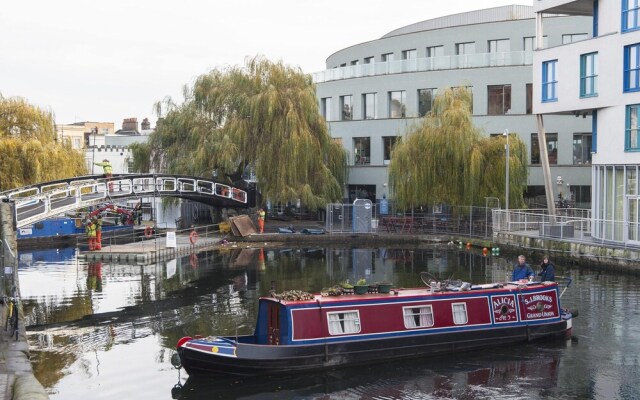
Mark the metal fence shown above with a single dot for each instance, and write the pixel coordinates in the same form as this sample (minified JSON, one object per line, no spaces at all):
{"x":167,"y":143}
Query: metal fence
{"x":458,"y":220}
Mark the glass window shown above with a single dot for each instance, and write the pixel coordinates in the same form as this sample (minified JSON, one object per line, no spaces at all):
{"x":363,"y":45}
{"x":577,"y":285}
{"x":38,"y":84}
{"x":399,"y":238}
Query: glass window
{"x":459,"y":313}
{"x":465,"y":48}
{"x":397,"y":104}
{"x":409,"y":54}
{"x":499,"y":46}
{"x":529,"y":41}
{"x":105,"y":131}
{"x":130,"y":169}
{"x":341,"y":323}
{"x":418,"y":317}
{"x":362,"y":150}
{"x":631,"y":134}
{"x":588,"y":74}
{"x":435,"y":51}
{"x":369,"y":106}
{"x":529,"y":95}
{"x":368,"y":60}
{"x":425,"y":100}
{"x":387,"y":57}
{"x":574,"y":37}
{"x":388,"y":142}
{"x":549,"y":81}
{"x":582,"y":148}
{"x":630,"y":13}
{"x":346,"y":107}
{"x":499,"y":99}
{"x":632,"y":68}
{"x":325,"y":108}
{"x":552,"y":148}
{"x":355,"y":62}
{"x":343,"y":65}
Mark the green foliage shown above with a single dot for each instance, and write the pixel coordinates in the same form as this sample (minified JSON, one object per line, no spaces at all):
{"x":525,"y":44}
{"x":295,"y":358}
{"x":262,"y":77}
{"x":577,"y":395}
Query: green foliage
{"x":361,"y":282}
{"x":445,"y":160}
{"x":263,"y":116}
{"x":29,"y":147}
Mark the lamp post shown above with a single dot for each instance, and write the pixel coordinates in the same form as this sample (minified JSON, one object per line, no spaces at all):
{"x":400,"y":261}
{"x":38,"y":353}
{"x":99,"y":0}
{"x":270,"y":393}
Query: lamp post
{"x":506,"y":184}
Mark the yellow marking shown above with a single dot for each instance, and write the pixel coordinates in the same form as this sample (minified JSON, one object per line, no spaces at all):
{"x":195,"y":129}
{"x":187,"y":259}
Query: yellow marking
{"x":214,"y":349}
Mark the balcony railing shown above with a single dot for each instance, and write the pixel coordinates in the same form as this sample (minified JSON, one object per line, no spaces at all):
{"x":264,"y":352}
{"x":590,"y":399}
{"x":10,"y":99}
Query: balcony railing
{"x":479,"y":60}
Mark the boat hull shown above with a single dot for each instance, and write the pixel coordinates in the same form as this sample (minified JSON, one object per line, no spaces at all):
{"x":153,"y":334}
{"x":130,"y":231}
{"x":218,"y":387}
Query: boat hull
{"x":256,"y":359}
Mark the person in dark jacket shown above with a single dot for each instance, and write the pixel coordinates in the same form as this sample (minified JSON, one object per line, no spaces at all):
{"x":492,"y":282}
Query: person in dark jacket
{"x":548,"y":273}
{"x":522,"y":270}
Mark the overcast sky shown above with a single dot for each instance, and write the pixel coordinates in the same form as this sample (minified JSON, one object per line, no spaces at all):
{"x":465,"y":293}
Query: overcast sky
{"x":109,"y":60}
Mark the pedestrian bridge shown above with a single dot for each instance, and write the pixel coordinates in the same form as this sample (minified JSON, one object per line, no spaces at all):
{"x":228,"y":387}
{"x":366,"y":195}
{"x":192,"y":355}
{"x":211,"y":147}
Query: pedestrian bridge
{"x":44,"y":200}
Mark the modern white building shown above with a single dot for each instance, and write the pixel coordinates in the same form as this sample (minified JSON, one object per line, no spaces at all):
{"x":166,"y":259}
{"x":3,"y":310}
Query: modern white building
{"x":599,"y":76}
{"x":371,"y":92}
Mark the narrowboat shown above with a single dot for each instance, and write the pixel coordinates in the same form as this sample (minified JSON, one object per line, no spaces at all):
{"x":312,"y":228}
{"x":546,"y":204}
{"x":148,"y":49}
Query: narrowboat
{"x":315,"y":332}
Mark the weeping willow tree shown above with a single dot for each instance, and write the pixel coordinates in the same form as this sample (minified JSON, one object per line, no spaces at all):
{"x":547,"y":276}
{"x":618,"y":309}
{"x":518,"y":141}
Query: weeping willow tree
{"x":29,"y":148}
{"x":445,"y":160}
{"x":262,"y":116}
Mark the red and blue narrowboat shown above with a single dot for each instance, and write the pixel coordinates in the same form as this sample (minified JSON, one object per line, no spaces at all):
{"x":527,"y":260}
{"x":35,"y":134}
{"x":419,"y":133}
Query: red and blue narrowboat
{"x":317,"y":332}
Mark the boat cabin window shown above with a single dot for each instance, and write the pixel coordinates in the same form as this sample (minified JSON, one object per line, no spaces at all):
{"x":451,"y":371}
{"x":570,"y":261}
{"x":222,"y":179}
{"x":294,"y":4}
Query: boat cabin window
{"x":341,"y":323}
{"x":418,"y":317}
{"x":459,"y":313}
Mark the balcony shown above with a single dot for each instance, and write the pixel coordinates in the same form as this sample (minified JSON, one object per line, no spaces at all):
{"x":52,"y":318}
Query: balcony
{"x":478,"y":60}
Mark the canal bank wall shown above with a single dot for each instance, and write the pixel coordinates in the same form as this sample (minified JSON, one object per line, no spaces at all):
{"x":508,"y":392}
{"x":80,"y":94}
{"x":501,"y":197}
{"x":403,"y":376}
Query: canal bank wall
{"x":17,"y":381}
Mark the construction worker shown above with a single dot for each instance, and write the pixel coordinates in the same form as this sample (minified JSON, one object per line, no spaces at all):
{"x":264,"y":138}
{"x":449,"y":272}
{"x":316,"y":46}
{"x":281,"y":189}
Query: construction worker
{"x":98,"y":224}
{"x":91,"y":235}
{"x":108,"y":171}
{"x":261,"y":215}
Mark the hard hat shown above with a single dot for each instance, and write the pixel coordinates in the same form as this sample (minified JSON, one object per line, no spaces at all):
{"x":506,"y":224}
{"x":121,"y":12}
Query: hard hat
{"x":105,"y":160}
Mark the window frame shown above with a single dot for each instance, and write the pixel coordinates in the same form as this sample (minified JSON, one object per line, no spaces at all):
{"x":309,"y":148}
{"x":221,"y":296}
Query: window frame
{"x":456,"y":313}
{"x":387,"y":146}
{"x":343,"y":113}
{"x":588,"y":60}
{"x":387,"y":57}
{"x":505,"y":96}
{"x":409,"y":54}
{"x":403,"y":103}
{"x":626,"y":11}
{"x":628,"y":128}
{"x":433,"y":92}
{"x":552,"y":138}
{"x":631,"y":70}
{"x":365,"y":109}
{"x":342,"y":331}
{"x":409,"y":312}
{"x":549,"y":83}
{"x":361,"y":150}
{"x":432,"y":51}
{"x":325,"y":108}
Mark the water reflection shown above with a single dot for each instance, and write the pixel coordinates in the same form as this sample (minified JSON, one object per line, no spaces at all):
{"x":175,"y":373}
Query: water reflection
{"x":108,"y":330}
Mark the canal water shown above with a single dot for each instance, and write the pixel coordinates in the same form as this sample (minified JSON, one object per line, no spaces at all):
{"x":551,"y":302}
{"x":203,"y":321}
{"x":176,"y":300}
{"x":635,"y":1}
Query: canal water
{"x":108,"y":330}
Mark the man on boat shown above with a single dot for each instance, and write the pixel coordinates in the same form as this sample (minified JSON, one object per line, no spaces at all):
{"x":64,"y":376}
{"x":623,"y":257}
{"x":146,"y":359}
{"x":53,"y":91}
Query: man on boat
{"x":522,"y":270}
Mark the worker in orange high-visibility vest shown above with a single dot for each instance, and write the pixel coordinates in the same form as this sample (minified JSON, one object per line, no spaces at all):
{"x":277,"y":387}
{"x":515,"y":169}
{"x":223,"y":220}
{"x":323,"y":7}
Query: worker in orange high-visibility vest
{"x":91,"y":235}
{"x":98,"y":224}
{"x":108,"y":171}
{"x":261,"y":215}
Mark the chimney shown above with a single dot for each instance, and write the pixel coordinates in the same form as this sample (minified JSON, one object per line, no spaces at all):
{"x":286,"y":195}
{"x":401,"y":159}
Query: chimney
{"x":130,"y":124}
{"x":146,"y":125}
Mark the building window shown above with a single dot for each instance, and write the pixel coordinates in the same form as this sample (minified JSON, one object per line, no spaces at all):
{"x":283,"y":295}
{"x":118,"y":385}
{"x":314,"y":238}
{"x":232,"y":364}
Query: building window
{"x":387,"y":57}
{"x":368,"y":60}
{"x":355,"y":62}
{"x":459,"y":313}
{"x":418,"y":317}
{"x":549,"y":81}
{"x":529,"y":41}
{"x":346,"y":107}
{"x":388,"y":142}
{"x":130,"y":169}
{"x":409,"y":54}
{"x":77,"y":143}
{"x":397,"y":104}
{"x":425,"y":101}
{"x":341,"y":323}
{"x":529,"y":98}
{"x":435,"y":51}
{"x":343,"y":65}
{"x":630,"y":20}
{"x":588,"y":74}
{"x":552,"y":148}
{"x":325,"y":108}
{"x":499,"y":99}
{"x":362,"y":150}
{"x":574,"y":37}
{"x":632,"y":68}
{"x":465,"y":48}
{"x":369,"y":106}
{"x":582,"y":148}
{"x":499,"y":46}
{"x":632,"y":139}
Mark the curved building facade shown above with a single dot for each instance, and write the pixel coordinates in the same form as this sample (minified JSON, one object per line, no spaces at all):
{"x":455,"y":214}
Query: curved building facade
{"x":371,"y":92}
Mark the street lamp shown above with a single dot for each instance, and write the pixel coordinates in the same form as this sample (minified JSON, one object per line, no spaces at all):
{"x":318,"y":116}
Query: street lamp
{"x":506,"y":184}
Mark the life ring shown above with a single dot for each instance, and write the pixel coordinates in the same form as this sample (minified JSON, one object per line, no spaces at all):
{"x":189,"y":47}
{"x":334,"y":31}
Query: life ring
{"x":193,"y":261}
{"x":148,"y":231}
{"x":193,"y":237}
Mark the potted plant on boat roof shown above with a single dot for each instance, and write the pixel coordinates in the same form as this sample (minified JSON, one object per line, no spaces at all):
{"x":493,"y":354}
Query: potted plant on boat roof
{"x":384,"y":286}
{"x":361,"y":287}
{"x":347,"y":288}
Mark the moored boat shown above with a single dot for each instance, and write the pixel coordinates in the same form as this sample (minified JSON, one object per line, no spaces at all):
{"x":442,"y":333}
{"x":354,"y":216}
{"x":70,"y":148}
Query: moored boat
{"x":314,"y":332}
